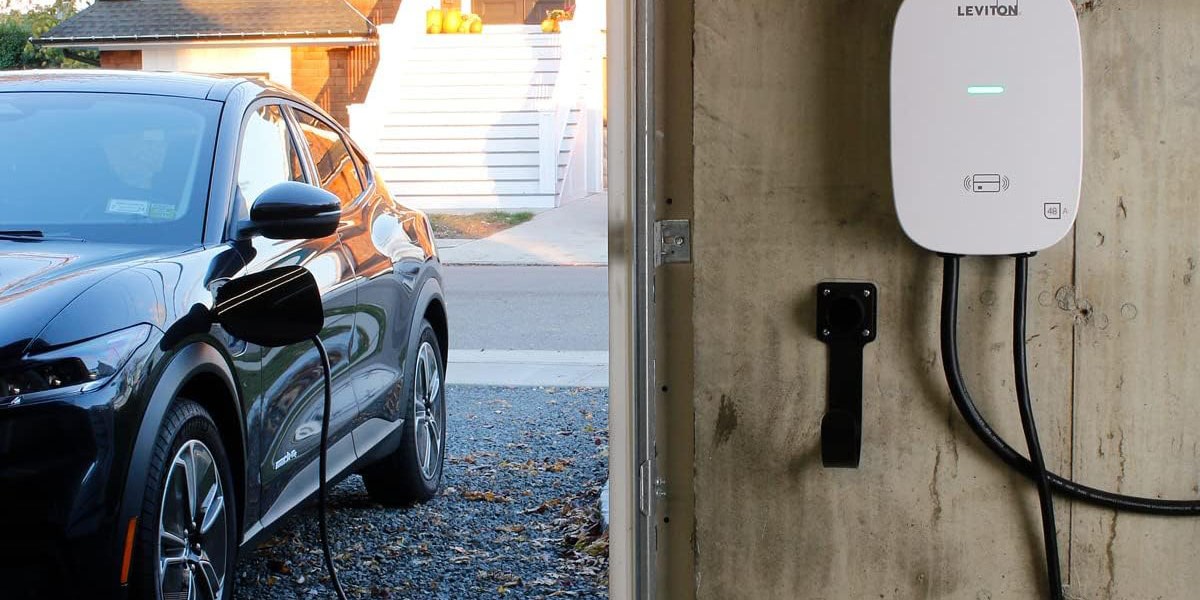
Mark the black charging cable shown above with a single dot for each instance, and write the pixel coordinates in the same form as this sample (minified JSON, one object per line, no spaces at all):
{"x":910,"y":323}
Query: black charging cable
{"x":995,"y":443}
{"x":1029,"y":425}
{"x":321,"y":468}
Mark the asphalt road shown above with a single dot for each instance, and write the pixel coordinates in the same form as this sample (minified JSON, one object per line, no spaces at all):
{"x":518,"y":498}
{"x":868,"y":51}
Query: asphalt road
{"x":528,"y":308}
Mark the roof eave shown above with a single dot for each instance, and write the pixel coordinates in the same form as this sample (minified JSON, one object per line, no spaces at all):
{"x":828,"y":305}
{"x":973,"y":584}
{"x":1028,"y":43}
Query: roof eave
{"x":208,"y":39}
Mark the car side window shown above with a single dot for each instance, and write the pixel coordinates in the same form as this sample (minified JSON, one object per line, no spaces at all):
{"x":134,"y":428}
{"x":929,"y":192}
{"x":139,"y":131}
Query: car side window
{"x":268,"y":156}
{"x":336,"y":171}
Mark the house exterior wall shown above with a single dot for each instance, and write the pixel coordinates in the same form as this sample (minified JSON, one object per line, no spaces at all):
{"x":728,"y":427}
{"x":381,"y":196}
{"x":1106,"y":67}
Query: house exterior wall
{"x":792,"y":187}
{"x":334,"y":78}
{"x":130,"y":60}
{"x":274,"y":62}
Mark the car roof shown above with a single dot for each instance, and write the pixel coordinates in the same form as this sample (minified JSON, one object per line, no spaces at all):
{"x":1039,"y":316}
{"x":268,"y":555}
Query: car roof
{"x":184,"y":85}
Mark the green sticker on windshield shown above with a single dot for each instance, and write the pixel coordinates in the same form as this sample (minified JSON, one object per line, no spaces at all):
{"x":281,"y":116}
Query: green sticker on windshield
{"x":165,"y":212}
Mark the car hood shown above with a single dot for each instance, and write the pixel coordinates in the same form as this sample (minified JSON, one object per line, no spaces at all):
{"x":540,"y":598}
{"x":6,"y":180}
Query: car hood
{"x":40,"y":278}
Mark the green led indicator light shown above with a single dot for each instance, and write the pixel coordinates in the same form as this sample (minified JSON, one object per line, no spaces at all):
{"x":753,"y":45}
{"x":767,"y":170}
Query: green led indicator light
{"x":985,"y":90}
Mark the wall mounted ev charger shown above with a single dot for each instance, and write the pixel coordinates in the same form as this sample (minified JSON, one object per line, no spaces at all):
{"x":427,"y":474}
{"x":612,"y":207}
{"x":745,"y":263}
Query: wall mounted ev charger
{"x":987,"y":124}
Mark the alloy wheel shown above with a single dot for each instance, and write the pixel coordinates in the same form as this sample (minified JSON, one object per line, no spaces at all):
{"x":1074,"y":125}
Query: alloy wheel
{"x":192,"y":528}
{"x":427,"y":411}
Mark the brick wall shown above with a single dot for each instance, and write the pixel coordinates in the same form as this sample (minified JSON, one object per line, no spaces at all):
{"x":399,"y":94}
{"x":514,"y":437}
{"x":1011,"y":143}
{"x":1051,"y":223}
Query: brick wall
{"x":121,"y":59}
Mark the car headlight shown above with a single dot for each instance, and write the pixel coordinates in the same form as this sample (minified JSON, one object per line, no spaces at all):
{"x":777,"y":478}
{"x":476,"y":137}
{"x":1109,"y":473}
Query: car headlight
{"x":83,"y":366}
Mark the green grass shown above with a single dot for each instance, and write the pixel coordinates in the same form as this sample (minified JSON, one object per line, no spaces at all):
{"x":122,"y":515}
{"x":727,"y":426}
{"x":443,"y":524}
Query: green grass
{"x":476,"y":225}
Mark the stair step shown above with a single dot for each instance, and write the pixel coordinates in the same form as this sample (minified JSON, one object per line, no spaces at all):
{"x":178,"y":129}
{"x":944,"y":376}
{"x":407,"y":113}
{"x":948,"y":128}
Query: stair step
{"x":490,"y":40}
{"x":458,"y":132}
{"x":458,"y":77}
{"x":449,"y":187}
{"x":513,"y":28}
{"x":529,"y":117}
{"x":464,"y":105}
{"x":480,"y":201}
{"x":455,"y":92}
{"x":464,"y":132}
{"x":444,"y":174}
{"x":454,"y":54}
{"x":410,"y":68}
{"x":388,"y":161}
{"x":458,"y":174}
{"x":435,"y":146}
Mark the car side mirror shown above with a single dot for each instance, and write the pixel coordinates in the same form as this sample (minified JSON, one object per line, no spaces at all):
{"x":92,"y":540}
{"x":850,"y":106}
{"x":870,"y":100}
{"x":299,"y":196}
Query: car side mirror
{"x":276,"y":307}
{"x":295,"y":211}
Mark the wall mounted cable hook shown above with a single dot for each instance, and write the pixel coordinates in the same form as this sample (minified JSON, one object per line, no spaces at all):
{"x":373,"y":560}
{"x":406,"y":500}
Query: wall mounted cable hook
{"x":846,"y":322}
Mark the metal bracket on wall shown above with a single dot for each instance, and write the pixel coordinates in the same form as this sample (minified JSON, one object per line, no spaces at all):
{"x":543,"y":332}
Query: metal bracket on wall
{"x":673,"y":241}
{"x":846,"y":322}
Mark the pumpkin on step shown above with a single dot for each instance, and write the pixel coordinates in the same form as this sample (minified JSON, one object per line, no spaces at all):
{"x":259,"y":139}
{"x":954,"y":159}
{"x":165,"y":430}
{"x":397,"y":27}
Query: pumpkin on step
{"x":433,"y":20}
{"x":473,"y":23}
{"x":549,"y":25}
{"x":452,"y":21}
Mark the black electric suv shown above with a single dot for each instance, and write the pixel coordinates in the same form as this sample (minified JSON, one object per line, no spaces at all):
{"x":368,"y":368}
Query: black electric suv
{"x":138,"y":455}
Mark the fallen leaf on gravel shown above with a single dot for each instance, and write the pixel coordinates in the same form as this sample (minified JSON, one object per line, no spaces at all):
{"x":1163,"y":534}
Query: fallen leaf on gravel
{"x":279,"y":566}
{"x":484,"y":497}
{"x":597,"y":548}
{"x":543,"y":507}
{"x":512,"y":528}
{"x":559,"y":465}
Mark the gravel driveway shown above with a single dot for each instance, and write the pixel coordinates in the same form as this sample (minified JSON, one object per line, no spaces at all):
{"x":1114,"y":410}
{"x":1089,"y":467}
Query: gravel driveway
{"x":518,"y":515}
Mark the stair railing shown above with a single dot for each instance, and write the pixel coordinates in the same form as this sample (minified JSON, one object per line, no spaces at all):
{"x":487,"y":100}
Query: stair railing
{"x":577,"y":50}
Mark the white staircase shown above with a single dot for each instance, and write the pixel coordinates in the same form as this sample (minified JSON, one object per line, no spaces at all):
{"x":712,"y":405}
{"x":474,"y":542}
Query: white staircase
{"x":472,"y":121}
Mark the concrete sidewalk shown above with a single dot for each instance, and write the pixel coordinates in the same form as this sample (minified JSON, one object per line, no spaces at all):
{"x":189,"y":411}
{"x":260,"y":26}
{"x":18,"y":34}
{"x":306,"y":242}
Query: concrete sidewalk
{"x":575,"y":233}
{"x":528,"y":368}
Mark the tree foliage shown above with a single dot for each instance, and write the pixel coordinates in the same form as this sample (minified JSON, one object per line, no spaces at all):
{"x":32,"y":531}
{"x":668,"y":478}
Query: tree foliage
{"x":13,"y":39}
{"x":17,"y":27}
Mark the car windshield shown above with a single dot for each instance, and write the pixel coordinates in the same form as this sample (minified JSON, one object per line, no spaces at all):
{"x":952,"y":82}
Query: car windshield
{"x":106,"y":167}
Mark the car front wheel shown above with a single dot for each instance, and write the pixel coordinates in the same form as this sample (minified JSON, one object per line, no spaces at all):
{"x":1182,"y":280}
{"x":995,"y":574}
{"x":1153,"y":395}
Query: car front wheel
{"x":413,"y":472}
{"x":188,"y":524}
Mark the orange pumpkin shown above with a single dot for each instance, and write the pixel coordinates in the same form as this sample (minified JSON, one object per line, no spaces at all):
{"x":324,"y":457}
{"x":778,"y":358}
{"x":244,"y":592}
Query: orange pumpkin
{"x":549,"y":25}
{"x":477,"y":26}
{"x":452,"y":21}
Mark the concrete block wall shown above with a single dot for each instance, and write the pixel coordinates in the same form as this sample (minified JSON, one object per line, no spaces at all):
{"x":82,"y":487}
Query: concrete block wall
{"x":791,"y":184}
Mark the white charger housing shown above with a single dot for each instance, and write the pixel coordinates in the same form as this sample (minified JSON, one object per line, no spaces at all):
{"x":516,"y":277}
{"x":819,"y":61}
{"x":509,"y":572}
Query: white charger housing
{"x":987,"y":124}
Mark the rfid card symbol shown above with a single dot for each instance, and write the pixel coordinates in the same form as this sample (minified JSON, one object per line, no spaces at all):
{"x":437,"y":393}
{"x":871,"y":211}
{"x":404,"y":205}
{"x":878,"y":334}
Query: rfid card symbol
{"x":986,"y":183}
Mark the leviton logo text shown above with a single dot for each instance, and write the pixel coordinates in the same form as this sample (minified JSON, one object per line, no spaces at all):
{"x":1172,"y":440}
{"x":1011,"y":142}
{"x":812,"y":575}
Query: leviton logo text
{"x":989,"y":10}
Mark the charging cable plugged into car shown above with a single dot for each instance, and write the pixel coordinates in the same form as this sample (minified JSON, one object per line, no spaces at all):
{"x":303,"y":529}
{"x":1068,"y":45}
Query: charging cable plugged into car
{"x":274,"y":308}
{"x":987,"y":156}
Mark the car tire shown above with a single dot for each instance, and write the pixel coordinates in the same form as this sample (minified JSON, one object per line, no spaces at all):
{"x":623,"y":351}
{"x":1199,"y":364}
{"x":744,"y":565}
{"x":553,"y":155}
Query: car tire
{"x":181,"y":542}
{"x":413,"y":472}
